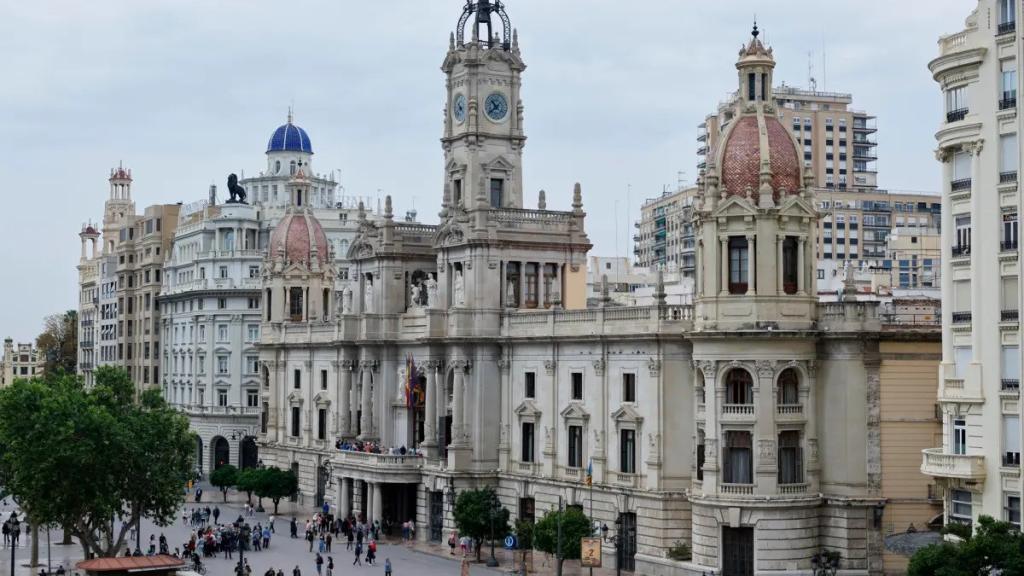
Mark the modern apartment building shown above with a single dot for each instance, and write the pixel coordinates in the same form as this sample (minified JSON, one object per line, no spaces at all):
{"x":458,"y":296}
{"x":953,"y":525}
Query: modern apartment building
{"x":855,"y":226}
{"x":977,"y":462}
{"x":836,"y":142}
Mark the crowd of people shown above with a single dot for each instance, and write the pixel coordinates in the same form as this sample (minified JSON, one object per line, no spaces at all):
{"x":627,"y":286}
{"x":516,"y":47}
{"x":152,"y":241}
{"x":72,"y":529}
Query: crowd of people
{"x":375,"y":448}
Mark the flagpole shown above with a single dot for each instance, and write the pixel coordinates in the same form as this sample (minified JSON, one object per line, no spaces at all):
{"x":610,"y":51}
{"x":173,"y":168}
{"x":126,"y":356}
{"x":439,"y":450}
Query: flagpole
{"x":590,"y":481}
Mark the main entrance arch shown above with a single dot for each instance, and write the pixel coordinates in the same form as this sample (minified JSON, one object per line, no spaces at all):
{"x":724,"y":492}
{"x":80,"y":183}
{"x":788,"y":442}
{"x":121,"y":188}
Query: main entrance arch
{"x":250,"y":453}
{"x":221,"y":452}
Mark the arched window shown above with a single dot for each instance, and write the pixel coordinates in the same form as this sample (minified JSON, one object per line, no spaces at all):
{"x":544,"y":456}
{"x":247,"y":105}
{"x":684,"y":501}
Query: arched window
{"x":790,"y":259}
{"x":739,"y":387}
{"x":295,"y":304}
{"x":789,"y":387}
{"x":292,"y":168}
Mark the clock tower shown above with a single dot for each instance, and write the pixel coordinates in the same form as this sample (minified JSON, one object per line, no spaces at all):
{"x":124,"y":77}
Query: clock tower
{"x":483,"y":128}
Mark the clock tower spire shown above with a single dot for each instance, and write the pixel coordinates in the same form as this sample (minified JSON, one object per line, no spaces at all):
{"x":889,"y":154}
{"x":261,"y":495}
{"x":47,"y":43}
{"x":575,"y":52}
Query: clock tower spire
{"x":483,"y":128}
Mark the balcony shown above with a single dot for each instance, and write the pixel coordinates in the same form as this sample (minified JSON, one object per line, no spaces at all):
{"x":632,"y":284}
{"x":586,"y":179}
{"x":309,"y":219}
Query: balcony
{"x":961,"y":317}
{"x":960,"y":185}
{"x":1008,"y":177}
{"x":789,"y":411}
{"x":1011,"y":459}
{"x":1009,"y":386}
{"x":391,"y":462}
{"x":625,"y":479}
{"x":737,"y":412}
{"x":737,"y":489}
{"x":1006,"y":27}
{"x":1009,"y":316}
{"x":956,"y":115}
{"x":85,"y":366}
{"x":969,"y":467}
{"x":1009,"y":100}
{"x":789,"y":489}
{"x":87,"y":343}
{"x":960,"y":251}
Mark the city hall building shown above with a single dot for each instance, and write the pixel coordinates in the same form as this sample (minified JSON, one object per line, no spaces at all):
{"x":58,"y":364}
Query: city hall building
{"x":746,"y":425}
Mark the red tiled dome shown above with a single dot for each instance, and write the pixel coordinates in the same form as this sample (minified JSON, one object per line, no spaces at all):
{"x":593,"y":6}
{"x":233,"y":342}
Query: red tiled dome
{"x":296,"y":233}
{"x":741,"y":159}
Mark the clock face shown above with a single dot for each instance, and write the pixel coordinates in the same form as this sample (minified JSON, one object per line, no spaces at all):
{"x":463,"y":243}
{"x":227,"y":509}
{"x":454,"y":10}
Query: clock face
{"x":459,"y":108}
{"x":496,"y":106}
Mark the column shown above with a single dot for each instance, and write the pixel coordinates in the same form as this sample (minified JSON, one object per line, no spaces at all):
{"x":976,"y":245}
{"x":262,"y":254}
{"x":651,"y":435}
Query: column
{"x":558,"y":285}
{"x":780,"y":287}
{"x":724,"y":259}
{"x":364,"y":402}
{"x":542,"y":291}
{"x":752,"y":272}
{"x":457,"y":402}
{"x":344,"y":504}
{"x":801,"y":257}
{"x":368,"y":498}
{"x":430,"y":418}
{"x":522,"y":285}
{"x":344,"y":398}
{"x":376,"y":497}
{"x":947,"y":268}
{"x":978,"y":248}
{"x":698,"y":263}
{"x":441,"y":403}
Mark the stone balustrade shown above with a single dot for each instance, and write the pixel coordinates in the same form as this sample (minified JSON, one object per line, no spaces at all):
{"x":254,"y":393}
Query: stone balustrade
{"x":959,"y":466}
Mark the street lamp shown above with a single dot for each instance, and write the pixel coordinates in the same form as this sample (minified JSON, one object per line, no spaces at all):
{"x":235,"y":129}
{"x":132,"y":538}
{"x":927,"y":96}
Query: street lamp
{"x":825,"y":563}
{"x":243,"y":539}
{"x":614,"y":540}
{"x":492,"y":562}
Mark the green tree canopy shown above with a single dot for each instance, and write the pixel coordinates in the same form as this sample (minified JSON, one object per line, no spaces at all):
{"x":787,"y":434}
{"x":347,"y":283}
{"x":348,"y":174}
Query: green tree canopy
{"x":575,"y":527}
{"x":473,"y":515}
{"x":59,"y":342}
{"x":275,"y":484}
{"x":224,"y":478}
{"x":80,"y":457}
{"x":246,"y":481}
{"x":995,"y":547}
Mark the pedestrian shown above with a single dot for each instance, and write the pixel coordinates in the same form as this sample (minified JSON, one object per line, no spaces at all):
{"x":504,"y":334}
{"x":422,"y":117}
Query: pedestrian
{"x":309,"y":538}
{"x":322,"y":545}
{"x":371,"y":552}
{"x":60,"y":570}
{"x":387,"y":567}
{"x":272,"y":522}
{"x":266,"y":537}
{"x":319,"y":563}
{"x":294,"y":526}
{"x":330,"y":566}
{"x":270,"y":572}
{"x":296,"y":571}
{"x":350,"y":536}
{"x":280,"y":572}
{"x":451,"y":543}
{"x":329,"y":538}
{"x":359,"y":554}
{"x":216,"y":514}
{"x":412,"y":529}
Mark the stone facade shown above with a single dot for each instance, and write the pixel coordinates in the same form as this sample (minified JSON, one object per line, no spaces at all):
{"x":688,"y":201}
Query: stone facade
{"x":21,"y":361}
{"x":747,"y":425}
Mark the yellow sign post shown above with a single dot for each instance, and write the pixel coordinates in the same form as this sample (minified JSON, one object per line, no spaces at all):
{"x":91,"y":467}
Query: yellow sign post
{"x":590,"y":552}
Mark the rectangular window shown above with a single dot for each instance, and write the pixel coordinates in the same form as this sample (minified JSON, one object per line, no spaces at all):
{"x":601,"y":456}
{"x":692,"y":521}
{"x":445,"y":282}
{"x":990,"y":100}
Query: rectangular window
{"x":577,"y":386}
{"x":1011,"y":440}
{"x":961,"y":166}
{"x":527,"y":440}
{"x":296,"y":414}
{"x":738,"y":458}
{"x":575,"y":447}
{"x":223,"y":272}
{"x":321,"y":424}
{"x":629,"y":387}
{"x":627,"y":451}
{"x":963,"y":233}
{"x":531,"y":384}
{"x":222,"y":333}
{"x":956,"y":99}
{"x":252,"y":399}
{"x":791,"y":466}
{"x":960,"y":502}
{"x":222,"y":397}
{"x":252,"y":364}
{"x":1008,"y":69}
{"x":297,"y":379}
{"x":959,"y":436}
{"x":790,"y":259}
{"x":497,"y":193}
{"x":222,"y":303}
{"x":738,"y":264}
{"x":222,"y":364}
{"x":1008,"y":153}
{"x":1011,"y":513}
{"x":254,"y":271}
{"x":323,"y":380}
{"x":1007,"y":11}
{"x":700,"y":454}
{"x":253,"y":332}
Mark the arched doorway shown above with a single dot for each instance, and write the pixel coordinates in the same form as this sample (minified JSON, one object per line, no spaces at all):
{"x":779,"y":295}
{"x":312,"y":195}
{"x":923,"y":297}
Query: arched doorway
{"x":199,"y":455}
{"x":250,"y":453}
{"x":221,"y":452}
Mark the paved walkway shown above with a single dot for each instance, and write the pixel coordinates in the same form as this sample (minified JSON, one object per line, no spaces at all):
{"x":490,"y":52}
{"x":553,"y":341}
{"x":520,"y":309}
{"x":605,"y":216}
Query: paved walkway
{"x":419,"y":559}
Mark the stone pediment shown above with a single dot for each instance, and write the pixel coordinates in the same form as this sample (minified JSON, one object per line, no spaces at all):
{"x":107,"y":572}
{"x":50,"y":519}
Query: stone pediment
{"x":322,"y":399}
{"x":295,"y":398}
{"x":361,"y":249}
{"x":734,"y":206}
{"x":501,"y":164}
{"x":627,"y":414}
{"x":449,"y":234}
{"x":575,"y":411}
{"x":797,"y":207}
{"x":528,"y":409}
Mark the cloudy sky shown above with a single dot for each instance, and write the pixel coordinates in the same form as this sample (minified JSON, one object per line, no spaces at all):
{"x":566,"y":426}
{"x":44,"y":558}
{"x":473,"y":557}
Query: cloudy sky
{"x":185,"y":91}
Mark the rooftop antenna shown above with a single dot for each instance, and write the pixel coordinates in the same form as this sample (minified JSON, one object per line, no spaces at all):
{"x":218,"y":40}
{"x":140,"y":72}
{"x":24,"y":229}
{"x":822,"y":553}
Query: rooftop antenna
{"x":824,"y":68}
{"x":811,"y":82}
{"x":681,"y":179}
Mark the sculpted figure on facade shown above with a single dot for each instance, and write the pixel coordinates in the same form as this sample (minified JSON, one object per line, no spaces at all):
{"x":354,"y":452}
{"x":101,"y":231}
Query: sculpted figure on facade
{"x":431,"y":284}
{"x":415,"y":291}
{"x":346,"y":300}
{"x":368,"y":294}
{"x":510,"y":295}
{"x":459,"y":289}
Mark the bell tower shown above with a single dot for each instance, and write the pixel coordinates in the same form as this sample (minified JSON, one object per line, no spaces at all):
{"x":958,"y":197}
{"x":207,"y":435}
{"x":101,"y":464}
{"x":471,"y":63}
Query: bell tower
{"x":483,"y":127}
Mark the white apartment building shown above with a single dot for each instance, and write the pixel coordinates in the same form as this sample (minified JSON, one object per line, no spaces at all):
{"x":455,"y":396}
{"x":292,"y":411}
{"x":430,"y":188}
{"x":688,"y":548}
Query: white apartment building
{"x":978,"y":462}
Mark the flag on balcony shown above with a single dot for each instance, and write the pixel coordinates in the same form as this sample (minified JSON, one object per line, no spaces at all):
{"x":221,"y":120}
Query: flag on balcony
{"x":590,"y":473}
{"x":410,"y":377}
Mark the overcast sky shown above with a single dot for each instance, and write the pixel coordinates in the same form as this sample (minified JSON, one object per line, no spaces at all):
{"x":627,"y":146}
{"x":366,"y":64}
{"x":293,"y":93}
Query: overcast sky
{"x":186,"y":91}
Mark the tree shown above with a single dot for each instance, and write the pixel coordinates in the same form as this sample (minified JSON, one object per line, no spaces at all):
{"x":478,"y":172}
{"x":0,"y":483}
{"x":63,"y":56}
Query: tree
{"x":995,"y":547}
{"x":473,"y":515}
{"x":224,"y":478}
{"x":575,"y":527}
{"x":80,"y":458}
{"x":246,"y":481}
{"x":524,"y":536}
{"x":59,"y":342}
{"x":275,"y":484}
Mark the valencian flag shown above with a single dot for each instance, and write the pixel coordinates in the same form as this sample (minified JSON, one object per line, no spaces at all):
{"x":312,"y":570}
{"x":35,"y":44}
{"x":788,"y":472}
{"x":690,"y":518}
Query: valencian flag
{"x":413,"y":389}
{"x":590,"y":473}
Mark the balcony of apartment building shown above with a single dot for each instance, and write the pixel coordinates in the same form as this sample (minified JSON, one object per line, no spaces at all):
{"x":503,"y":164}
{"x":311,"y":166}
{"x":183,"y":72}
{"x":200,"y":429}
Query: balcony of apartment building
{"x":702,"y":151}
{"x":1008,"y":100}
{"x":1007,"y":18}
{"x":864,"y":125}
{"x":702,"y":137}
{"x":1008,"y":177}
{"x":389,"y":464}
{"x":948,"y":466}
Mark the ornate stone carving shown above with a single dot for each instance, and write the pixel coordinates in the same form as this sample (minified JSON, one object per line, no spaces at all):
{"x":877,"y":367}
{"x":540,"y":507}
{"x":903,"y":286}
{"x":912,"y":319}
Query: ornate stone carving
{"x":346,"y":300}
{"x":431,"y":285}
{"x":368,"y":365}
{"x":432,"y":365}
{"x":599,"y":367}
{"x":707,"y":367}
{"x":503,"y":364}
{"x":765,"y":368}
{"x":459,"y":290}
{"x":347,"y":365}
{"x":598,"y":441}
{"x":766,"y":452}
{"x":812,"y":368}
{"x":549,"y":367}
{"x":654,"y":367}
{"x":812,"y":449}
{"x":459,"y":364}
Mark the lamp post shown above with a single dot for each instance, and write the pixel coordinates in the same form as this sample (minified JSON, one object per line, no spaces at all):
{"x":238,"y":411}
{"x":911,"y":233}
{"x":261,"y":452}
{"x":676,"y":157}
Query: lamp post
{"x":825,"y":563}
{"x":492,"y":561}
{"x":243,"y":539}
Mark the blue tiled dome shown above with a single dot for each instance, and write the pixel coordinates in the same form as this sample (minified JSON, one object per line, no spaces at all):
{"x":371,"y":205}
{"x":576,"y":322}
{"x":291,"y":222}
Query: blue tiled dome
{"x":289,"y":138}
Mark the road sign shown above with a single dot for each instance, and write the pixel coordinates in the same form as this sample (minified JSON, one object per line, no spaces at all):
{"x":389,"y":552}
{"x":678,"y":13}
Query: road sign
{"x":590,"y":552}
{"x":510,"y":542}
